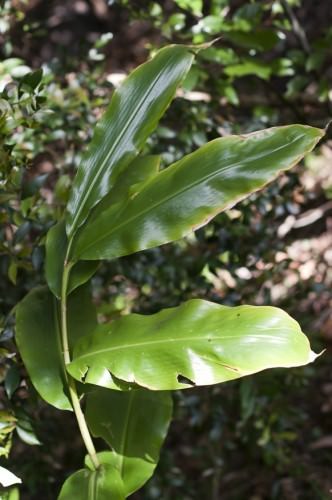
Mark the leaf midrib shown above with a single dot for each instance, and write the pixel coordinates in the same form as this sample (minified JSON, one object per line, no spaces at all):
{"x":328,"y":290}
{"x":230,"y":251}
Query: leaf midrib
{"x":181,"y":191}
{"x":113,"y":148}
{"x":93,"y":485}
{"x":177,"y":340}
{"x":124,"y":437}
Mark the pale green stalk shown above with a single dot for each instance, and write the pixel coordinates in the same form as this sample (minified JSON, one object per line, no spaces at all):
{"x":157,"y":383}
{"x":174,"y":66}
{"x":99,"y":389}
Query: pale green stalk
{"x":85,"y":433}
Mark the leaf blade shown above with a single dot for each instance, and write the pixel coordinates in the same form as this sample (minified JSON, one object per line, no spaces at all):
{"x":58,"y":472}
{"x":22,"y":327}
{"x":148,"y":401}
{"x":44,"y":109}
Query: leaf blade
{"x":197,"y":343}
{"x":186,"y":195}
{"x":7,"y":478}
{"x":134,"y":112}
{"x":85,"y":484}
{"x":38,"y":339}
{"x":56,"y":248}
{"x":135,"y":425}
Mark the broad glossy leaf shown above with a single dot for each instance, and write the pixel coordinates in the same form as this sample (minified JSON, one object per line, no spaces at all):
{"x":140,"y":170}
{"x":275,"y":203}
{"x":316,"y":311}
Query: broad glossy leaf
{"x":85,"y":484}
{"x":142,"y":169}
{"x":56,"y":247}
{"x":134,"y":424}
{"x":197,"y":343}
{"x":189,"y":193}
{"x":129,"y":183}
{"x":38,"y":339}
{"x":131,"y":117}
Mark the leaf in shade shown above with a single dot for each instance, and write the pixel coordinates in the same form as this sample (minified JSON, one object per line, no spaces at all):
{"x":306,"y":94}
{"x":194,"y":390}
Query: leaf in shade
{"x":38,"y":339}
{"x":134,"y":424}
{"x":26,"y":431}
{"x":197,"y":343}
{"x":12,"y":380}
{"x":189,"y":193}
{"x":102,"y":484}
{"x":56,"y":247}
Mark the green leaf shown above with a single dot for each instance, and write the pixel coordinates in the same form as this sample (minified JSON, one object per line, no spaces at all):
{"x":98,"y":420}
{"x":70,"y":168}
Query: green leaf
{"x":85,"y":484}
{"x":129,"y":183}
{"x":142,"y":169}
{"x":10,"y":494}
{"x":249,"y":66}
{"x":259,"y":39}
{"x":7,"y":478}
{"x":133,"y":114}
{"x":189,"y":193}
{"x":12,"y":380}
{"x":197,"y":343}
{"x":38,"y":339}
{"x":26,"y":432}
{"x":56,"y":247}
{"x":134,"y":424}
{"x":32,"y":79}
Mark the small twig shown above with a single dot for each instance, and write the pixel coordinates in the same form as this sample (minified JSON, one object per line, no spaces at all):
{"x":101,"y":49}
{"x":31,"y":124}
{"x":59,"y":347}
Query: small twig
{"x":303,"y":40}
{"x":298,"y":30}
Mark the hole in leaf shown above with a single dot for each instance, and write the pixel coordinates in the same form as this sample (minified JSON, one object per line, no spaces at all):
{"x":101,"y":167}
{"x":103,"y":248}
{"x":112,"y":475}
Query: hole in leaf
{"x":84,"y":375}
{"x":185,"y":380}
{"x":122,"y":384}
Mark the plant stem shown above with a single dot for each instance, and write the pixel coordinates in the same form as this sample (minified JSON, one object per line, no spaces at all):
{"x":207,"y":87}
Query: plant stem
{"x":85,"y":433}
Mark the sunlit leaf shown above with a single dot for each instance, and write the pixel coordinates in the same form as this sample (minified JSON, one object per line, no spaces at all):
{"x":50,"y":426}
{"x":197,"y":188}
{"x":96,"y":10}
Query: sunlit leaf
{"x":192,"y":191}
{"x":197,"y":343}
{"x":133,"y":114}
{"x":7,"y":478}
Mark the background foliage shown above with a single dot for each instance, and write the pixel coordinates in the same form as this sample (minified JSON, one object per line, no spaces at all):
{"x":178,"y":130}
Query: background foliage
{"x":263,"y":437}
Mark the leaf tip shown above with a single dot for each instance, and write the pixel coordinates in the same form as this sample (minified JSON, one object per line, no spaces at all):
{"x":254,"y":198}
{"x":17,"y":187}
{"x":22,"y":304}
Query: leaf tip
{"x":313,"y":356}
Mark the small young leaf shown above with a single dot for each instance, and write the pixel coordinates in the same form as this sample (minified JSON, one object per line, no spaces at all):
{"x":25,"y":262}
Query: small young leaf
{"x":7,"y":478}
{"x":12,"y":380}
{"x":32,"y":79}
{"x":26,"y":432}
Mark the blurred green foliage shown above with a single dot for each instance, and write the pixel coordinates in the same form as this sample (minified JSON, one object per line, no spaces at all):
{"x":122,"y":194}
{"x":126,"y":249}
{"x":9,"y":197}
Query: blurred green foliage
{"x":271,"y":66}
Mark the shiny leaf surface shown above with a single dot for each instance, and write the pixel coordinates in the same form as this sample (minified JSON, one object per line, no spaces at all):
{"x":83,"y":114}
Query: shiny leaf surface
{"x":133,"y":114}
{"x":197,"y":343}
{"x":134,"y":424}
{"x":38,"y":339}
{"x":85,"y":484}
{"x":189,"y":193}
{"x":7,"y":478}
{"x":129,"y":183}
{"x":142,"y":169}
